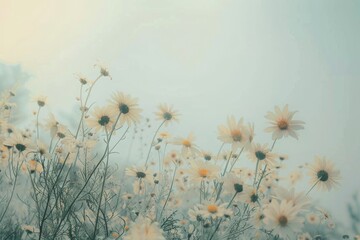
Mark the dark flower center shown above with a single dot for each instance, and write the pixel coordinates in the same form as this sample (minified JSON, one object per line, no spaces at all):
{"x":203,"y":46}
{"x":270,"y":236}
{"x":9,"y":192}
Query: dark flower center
{"x":238,"y":187}
{"x":283,"y":124}
{"x":236,"y":135}
{"x":60,"y":135}
{"x":104,"y":120}
{"x":20,"y":147}
{"x":254,"y":198}
{"x":323,"y":175}
{"x":140,"y":174}
{"x":207,"y":157}
{"x":41,"y":103}
{"x":260,"y":155}
{"x":283,"y":221}
{"x":167,"y":116}
{"x":124,"y":108}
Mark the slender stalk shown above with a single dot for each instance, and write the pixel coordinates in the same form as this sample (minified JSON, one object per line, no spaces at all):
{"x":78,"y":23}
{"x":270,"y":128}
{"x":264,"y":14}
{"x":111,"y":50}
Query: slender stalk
{"x":168,"y":196}
{"x":313,"y":186}
{"x":87,"y":180}
{"x":37,"y":123}
{"x":233,"y":164}
{"x":102,"y":188}
{"x":272,"y":147}
{"x":11,"y":195}
{"x":256,"y":170}
{"x":232,"y":199}
{"x":84,"y":106}
{"x":217,"y":227}
{"x":151,"y":143}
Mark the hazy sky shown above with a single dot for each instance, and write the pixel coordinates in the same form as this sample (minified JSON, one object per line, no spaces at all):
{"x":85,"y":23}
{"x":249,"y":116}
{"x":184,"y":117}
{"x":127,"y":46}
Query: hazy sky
{"x":209,"y":59}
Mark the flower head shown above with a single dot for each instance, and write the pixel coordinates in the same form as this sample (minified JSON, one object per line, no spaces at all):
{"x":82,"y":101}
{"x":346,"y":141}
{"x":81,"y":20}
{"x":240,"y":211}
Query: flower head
{"x":283,"y":124}
{"x":144,"y":228}
{"x":323,"y":174}
{"x":235,"y":133}
{"x":282,"y":218}
{"x":101,"y":119}
{"x":262,"y":154}
{"x":127,"y":107}
{"x":166,"y":114}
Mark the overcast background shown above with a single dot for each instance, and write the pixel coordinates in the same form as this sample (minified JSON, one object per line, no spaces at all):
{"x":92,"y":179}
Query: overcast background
{"x":209,"y":59}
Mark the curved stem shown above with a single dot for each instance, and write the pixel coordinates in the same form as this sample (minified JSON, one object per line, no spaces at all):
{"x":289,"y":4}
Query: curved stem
{"x":168,"y":196}
{"x":83,"y":107}
{"x":151,"y":143}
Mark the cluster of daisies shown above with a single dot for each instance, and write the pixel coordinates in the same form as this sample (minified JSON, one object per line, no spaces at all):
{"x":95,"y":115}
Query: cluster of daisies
{"x":62,"y":182}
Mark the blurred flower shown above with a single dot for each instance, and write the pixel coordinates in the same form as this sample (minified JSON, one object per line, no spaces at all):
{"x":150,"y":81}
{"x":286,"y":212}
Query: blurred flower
{"x":283,"y":123}
{"x":262,"y":154}
{"x":139,"y":172}
{"x":167,"y":114}
{"x":203,"y":171}
{"x":282,"y":219}
{"x":127,"y":107}
{"x":214,"y":210}
{"x":234,"y":133}
{"x":323,"y":174}
{"x":41,"y":100}
{"x":233,"y":184}
{"x":102,"y":119}
{"x":189,"y":149}
{"x":313,"y":218}
{"x":143,"y":228}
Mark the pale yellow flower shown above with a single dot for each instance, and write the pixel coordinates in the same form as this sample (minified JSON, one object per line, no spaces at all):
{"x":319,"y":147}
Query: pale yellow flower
{"x":234,"y":133}
{"x":127,"y":107}
{"x":167,"y":114}
{"x":324,"y":174}
{"x":283,"y":124}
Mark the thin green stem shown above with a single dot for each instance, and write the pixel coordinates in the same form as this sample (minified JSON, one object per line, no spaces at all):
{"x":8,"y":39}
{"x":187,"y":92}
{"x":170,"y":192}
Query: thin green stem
{"x":168,"y":196}
{"x":151,"y":143}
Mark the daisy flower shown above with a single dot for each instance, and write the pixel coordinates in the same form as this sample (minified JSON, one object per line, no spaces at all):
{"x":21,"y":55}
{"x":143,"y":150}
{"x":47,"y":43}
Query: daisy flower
{"x":127,"y":107}
{"x":234,"y":133}
{"x":33,"y":166}
{"x":283,"y":124}
{"x":298,"y":200}
{"x":304,"y":236}
{"x":188,"y":147}
{"x":167,"y":114}
{"x":214,"y":210}
{"x":233,"y":184}
{"x":163,"y":136}
{"x":195,"y":214}
{"x":139,"y":172}
{"x":102,"y":118}
{"x":257,"y":219}
{"x":200,"y":171}
{"x":40,"y":100}
{"x":19,"y":143}
{"x":207,"y":156}
{"x":323,"y":174}
{"x":251,"y":196}
{"x":313,"y":218}
{"x":281,"y":218}
{"x":262,"y":154}
{"x":144,"y":228}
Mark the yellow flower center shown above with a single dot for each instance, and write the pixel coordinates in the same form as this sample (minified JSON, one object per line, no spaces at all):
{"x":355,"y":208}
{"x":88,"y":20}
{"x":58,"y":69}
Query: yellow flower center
{"x":236,"y":135}
{"x":283,"y":124}
{"x":186,"y":143}
{"x":203,"y":172}
{"x":212,"y":208}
